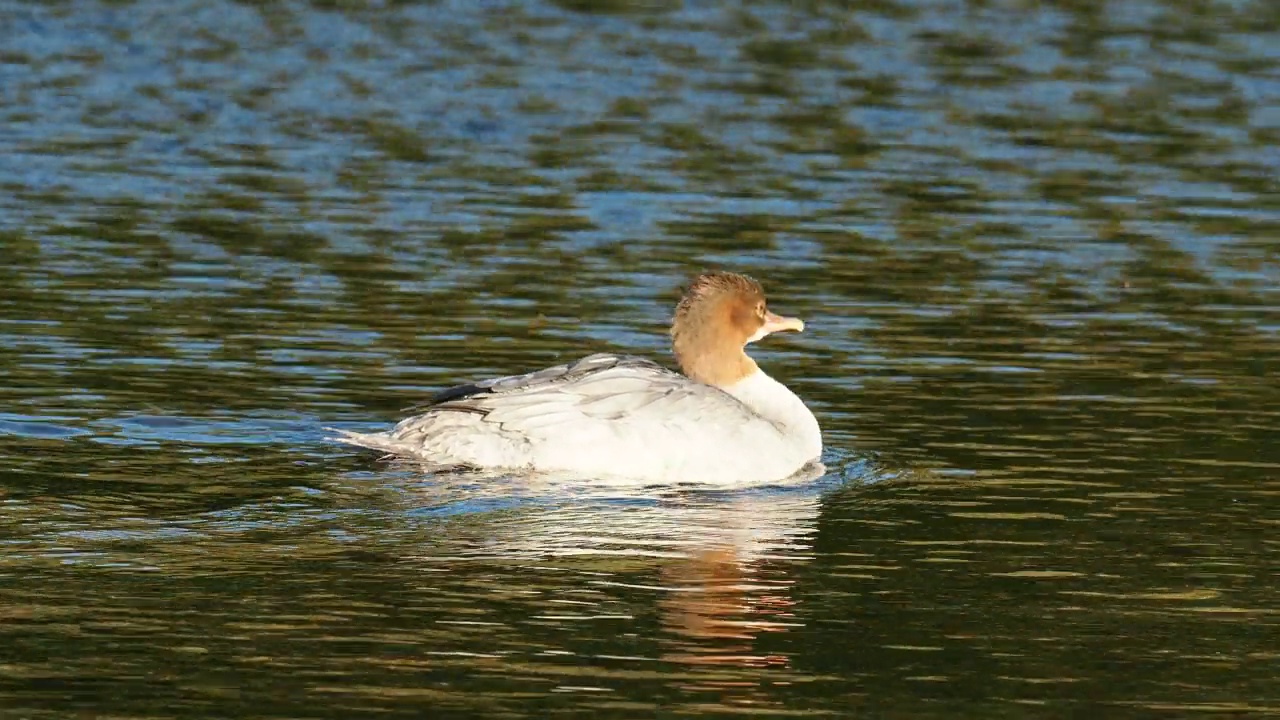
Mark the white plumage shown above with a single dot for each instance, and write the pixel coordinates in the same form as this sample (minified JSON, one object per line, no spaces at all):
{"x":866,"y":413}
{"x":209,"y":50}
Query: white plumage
{"x":624,"y":418}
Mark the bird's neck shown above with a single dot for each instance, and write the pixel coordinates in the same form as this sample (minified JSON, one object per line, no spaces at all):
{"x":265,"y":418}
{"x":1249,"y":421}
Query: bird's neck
{"x":714,"y":363}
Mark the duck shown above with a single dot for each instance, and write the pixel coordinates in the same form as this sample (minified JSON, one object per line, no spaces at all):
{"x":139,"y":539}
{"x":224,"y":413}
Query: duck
{"x":720,"y":420}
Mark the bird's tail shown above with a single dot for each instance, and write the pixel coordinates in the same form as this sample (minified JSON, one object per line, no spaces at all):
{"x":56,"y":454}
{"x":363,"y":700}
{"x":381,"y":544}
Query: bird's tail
{"x":371,"y":441}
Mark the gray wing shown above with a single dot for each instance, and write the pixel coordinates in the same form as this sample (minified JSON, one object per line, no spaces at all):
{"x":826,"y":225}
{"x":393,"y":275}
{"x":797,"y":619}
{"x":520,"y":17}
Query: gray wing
{"x":598,"y":387}
{"x":472,"y":396}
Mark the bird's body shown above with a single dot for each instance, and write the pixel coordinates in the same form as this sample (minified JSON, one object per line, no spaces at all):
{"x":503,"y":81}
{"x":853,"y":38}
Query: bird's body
{"x":724,"y":422}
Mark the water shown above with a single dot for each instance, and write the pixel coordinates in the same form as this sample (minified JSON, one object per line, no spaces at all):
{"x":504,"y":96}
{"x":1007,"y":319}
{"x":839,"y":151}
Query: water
{"x":1035,"y":244}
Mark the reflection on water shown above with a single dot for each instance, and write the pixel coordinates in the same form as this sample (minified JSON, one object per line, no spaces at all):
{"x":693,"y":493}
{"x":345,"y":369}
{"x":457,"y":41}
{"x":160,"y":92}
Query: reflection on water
{"x":1036,"y":241}
{"x":722,"y":595}
{"x":717,"y":568}
{"x":580,"y":592}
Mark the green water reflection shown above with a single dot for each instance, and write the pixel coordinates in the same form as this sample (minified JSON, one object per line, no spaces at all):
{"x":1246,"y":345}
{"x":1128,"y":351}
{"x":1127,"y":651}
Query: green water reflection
{"x":1034,"y":243}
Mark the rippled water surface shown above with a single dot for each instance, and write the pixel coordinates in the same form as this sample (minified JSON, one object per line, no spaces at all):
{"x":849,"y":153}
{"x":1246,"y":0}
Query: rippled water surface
{"x":1037,"y":245}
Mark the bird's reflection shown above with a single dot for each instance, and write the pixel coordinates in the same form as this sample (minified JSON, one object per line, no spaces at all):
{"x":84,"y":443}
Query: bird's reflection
{"x":715,"y":607}
{"x":719,"y":565}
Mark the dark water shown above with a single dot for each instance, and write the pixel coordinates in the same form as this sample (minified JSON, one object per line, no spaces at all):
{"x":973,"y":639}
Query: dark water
{"x":1037,"y":245}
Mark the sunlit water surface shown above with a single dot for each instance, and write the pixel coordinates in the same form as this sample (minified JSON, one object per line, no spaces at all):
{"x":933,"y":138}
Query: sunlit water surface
{"x":1035,"y":244}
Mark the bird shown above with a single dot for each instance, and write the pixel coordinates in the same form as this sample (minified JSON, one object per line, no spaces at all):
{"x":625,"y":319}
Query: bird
{"x":720,"y":420}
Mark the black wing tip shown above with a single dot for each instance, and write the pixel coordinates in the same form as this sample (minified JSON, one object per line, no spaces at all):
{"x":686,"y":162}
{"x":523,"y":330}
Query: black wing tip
{"x":449,"y":394}
{"x":457,"y":392}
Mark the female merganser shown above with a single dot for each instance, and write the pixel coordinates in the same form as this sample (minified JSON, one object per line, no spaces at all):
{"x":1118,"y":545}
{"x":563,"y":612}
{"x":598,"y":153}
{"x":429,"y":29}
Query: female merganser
{"x":723,"y":422}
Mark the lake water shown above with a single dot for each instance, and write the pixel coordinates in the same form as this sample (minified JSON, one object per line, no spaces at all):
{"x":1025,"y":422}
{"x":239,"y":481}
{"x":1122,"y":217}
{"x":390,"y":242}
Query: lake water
{"x":1036,"y":243}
